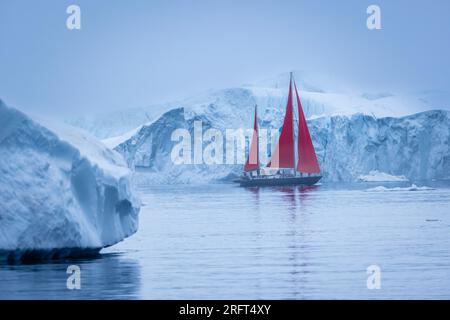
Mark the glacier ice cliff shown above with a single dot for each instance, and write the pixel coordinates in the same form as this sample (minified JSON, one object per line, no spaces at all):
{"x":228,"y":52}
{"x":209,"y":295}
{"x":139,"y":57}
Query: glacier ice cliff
{"x":354,"y":132}
{"x":61,"y":191}
{"x":415,"y":146}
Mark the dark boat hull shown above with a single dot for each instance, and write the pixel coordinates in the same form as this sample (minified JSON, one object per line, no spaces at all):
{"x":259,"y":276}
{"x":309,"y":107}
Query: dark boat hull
{"x":282,"y":181}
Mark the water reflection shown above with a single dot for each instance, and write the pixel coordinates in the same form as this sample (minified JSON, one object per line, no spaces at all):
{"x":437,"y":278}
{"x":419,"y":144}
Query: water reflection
{"x":307,"y":189}
{"x":255,"y":191}
{"x":298,"y":248}
{"x":295,"y":257}
{"x":288,"y":195}
{"x":108,"y":276}
{"x":292,"y":197}
{"x":305,"y":192}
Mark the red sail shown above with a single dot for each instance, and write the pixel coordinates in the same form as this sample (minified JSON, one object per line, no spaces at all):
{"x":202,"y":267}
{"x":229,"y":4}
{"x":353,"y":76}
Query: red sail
{"x":253,"y":154}
{"x":284,"y":156}
{"x":307,"y":159}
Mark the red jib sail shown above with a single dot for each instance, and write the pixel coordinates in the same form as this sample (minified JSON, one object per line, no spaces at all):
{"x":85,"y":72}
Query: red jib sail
{"x":307,"y":159}
{"x":253,"y":154}
{"x":284,"y":155}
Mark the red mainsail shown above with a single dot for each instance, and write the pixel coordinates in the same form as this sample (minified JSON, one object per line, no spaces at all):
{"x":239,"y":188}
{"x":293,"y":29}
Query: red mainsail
{"x":284,"y":155}
{"x":253,"y":154}
{"x":307,"y":159}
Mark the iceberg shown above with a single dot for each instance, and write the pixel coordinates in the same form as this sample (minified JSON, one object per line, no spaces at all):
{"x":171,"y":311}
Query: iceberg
{"x":322,"y":95}
{"x":61,"y":191}
{"x":403,"y":135}
{"x":414,"y":147}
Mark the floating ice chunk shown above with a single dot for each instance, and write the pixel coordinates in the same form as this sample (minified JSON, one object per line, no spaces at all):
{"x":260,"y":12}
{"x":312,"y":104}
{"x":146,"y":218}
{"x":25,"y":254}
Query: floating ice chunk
{"x":413,"y":187}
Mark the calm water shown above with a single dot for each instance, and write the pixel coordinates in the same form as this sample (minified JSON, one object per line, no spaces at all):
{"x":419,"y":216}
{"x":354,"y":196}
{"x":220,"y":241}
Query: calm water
{"x":223,"y":242}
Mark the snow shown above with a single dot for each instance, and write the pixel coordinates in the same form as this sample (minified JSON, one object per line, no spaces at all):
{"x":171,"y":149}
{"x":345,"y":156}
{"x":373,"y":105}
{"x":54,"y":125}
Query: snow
{"x":61,"y":191}
{"x":377,"y":176}
{"x":115,"y":141}
{"x":321,"y":95}
{"x":413,"y":187}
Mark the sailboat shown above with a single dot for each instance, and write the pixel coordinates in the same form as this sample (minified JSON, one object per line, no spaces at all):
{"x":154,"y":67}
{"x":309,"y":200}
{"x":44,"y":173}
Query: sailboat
{"x":282,"y":169}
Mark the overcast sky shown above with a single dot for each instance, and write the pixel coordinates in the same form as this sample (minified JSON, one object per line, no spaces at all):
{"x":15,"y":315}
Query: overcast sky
{"x":136,"y":53}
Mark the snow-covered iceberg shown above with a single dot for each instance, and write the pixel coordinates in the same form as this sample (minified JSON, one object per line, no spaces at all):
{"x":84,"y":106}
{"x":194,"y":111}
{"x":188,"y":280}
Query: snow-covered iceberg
{"x":322,"y":95}
{"x":416,"y":146}
{"x":61,"y":191}
{"x":354,"y":132}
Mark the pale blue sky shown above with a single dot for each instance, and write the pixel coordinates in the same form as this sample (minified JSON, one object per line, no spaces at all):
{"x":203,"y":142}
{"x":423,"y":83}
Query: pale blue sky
{"x":136,"y":53}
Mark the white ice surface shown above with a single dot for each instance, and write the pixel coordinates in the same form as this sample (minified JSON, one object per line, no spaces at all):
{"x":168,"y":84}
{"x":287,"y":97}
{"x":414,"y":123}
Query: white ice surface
{"x":377,"y":176}
{"x":413,"y":187}
{"x":321,"y":95}
{"x":60,"y":188}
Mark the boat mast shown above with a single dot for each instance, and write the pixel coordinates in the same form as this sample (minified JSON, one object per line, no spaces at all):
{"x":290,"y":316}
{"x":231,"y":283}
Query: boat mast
{"x":253,"y":148}
{"x":291,"y":77}
{"x":284,"y":155}
{"x":257,"y":138}
{"x":295,"y":119}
